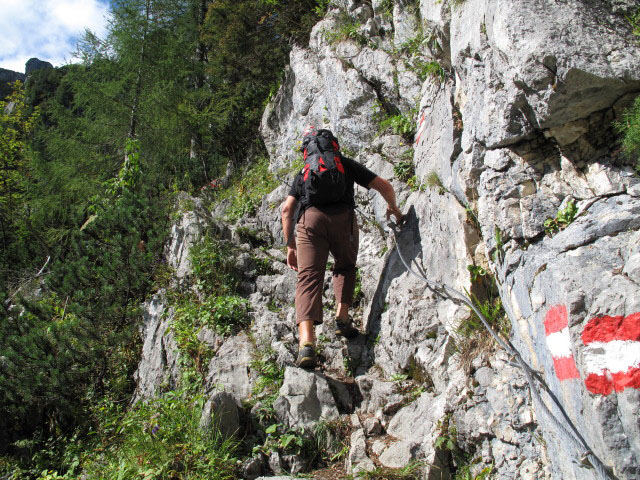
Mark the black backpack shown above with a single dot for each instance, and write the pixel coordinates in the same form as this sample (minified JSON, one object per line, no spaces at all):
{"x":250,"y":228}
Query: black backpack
{"x":323,"y":177}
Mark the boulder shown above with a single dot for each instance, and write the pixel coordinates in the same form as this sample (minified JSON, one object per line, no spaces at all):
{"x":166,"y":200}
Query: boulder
{"x":305,"y":398}
{"x":222,"y":412}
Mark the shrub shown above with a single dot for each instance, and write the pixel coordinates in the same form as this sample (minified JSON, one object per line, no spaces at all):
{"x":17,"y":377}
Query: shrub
{"x":216,"y":307}
{"x":562,"y":220}
{"x":431,"y":69}
{"x":404,"y":169}
{"x":415,"y":185}
{"x":213,"y":265}
{"x":398,"y":124}
{"x":634,"y":21}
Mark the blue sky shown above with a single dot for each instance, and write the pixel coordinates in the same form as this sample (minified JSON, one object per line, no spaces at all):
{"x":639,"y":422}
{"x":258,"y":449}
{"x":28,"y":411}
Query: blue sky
{"x":46,"y":29}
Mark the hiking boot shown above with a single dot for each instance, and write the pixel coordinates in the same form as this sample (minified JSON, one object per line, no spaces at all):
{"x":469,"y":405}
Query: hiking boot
{"x":307,"y":357}
{"x":345,"y":328}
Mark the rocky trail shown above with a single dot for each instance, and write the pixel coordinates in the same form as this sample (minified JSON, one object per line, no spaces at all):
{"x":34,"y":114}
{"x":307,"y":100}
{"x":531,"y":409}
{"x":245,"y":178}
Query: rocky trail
{"x":515,"y":191}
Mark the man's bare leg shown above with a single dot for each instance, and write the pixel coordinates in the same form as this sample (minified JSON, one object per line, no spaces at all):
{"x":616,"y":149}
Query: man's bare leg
{"x":306,"y":331}
{"x":343,"y":311}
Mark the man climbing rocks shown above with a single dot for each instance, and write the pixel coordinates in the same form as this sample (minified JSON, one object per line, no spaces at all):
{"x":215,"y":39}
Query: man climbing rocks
{"x":321,"y":204}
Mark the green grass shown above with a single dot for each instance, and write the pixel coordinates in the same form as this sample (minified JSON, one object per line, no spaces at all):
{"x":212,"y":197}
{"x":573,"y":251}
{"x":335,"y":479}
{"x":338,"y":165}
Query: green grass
{"x":216,"y":305}
{"x":157,"y":439}
{"x":347,"y":29}
{"x":160,"y":439}
{"x":410,"y":472}
{"x":415,"y":185}
{"x":634,"y":21}
{"x":267,"y":386}
{"x":431,"y":69}
{"x":246,"y":190}
{"x":629,"y":127}
{"x":433,"y":181}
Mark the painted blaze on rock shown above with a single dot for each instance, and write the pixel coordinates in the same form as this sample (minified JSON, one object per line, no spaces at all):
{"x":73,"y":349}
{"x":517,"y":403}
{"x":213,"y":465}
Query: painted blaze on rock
{"x":611,"y":350}
{"x":612,"y":353}
{"x":556,"y":329}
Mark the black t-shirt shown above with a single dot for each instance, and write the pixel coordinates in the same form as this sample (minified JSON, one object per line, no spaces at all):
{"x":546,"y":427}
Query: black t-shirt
{"x":354,"y":173}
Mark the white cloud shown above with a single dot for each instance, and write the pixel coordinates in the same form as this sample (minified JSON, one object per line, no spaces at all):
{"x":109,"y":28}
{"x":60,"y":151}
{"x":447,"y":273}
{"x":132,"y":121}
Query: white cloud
{"x":46,"y":29}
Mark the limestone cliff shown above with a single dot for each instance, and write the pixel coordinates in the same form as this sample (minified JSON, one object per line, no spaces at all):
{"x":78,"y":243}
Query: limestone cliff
{"x":513,"y":105}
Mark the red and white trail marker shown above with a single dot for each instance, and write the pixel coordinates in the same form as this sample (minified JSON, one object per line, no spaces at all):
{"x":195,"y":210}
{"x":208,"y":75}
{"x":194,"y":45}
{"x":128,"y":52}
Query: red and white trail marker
{"x":612,"y":353}
{"x":556,"y":329}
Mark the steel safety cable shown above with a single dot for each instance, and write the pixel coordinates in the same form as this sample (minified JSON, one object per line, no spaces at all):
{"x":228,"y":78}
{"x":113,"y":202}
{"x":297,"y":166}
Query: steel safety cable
{"x":571,"y":433}
{"x":455,"y":295}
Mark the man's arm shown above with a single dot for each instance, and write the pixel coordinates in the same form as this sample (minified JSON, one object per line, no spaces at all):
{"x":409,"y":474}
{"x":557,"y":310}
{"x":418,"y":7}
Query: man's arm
{"x":288,"y":210}
{"x":385,"y":189}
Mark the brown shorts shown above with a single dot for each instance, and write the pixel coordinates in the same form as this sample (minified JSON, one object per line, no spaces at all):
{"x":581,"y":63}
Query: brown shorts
{"x":318,"y":234}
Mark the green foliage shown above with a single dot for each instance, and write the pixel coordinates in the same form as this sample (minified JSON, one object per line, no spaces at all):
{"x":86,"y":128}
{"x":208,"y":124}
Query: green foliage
{"x":431,"y":69}
{"x":330,"y":439}
{"x":222,"y":314}
{"x":357,"y":291}
{"x":421,"y":55}
{"x":498,"y":253}
{"x":248,"y":44}
{"x":283,"y":440}
{"x":472,"y":216}
{"x":159,"y":439}
{"x":267,"y":386}
{"x":386,"y":8}
{"x":476,"y":272}
{"x":415,"y":185}
{"x":247,"y":189}
{"x":348,"y":29}
{"x":216,"y":306}
{"x":634,"y":21}
{"x":213,"y":266}
{"x":398,"y":124}
{"x":629,"y":127}
{"x":563,"y":219}
{"x":492,"y":311}
{"x":321,"y":7}
{"x":447,"y":440}
{"x":488,"y":302}
{"x":77,"y":339}
{"x":350,"y":365}
{"x":325,"y":441}
{"x":91,"y":157}
{"x":16,"y":126}
{"x":452,"y":3}
{"x":404,"y":170}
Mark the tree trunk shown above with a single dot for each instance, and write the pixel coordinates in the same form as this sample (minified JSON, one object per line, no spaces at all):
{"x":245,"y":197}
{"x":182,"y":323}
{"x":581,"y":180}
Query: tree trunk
{"x":133,"y":119}
{"x":197,"y":148}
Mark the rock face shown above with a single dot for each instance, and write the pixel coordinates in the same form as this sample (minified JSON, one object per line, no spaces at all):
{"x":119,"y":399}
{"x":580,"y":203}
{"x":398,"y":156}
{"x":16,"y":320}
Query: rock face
{"x":9,"y":76}
{"x":514,"y":104}
{"x":34,"y":64}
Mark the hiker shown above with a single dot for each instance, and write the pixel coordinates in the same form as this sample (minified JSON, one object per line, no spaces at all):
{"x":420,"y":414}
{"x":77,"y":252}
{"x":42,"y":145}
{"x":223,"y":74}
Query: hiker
{"x":321,"y":204}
